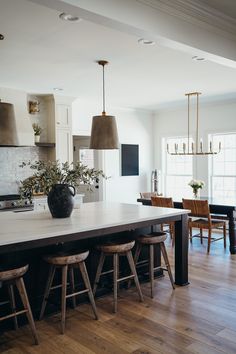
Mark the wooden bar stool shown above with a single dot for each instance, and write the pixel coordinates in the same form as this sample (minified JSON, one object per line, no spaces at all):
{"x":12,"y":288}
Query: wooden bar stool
{"x":15,"y":277}
{"x":67,"y":263}
{"x":115,"y":250}
{"x":150,"y":240}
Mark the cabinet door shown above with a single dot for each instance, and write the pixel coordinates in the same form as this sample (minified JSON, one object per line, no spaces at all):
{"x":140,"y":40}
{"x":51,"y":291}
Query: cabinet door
{"x":63,"y":116}
{"x":64,"y":145}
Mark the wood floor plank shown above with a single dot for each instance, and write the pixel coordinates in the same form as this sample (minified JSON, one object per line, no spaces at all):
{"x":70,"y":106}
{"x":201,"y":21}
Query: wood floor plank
{"x":199,"y":318}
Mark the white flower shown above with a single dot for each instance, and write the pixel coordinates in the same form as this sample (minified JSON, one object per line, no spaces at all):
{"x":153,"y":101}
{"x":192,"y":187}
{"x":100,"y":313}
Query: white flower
{"x":196,"y":184}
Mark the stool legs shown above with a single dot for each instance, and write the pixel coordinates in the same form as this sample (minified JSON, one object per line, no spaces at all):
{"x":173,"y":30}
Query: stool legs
{"x":99,"y":271}
{"x":133,"y":269}
{"x":72,"y":284}
{"x":13,"y":304}
{"x":115,"y":278}
{"x":151,"y":268}
{"x":165,"y":256}
{"x":85,"y":277}
{"x":115,"y":271}
{"x":24,"y":298}
{"x":63,"y":298}
{"x":67,"y":270}
{"x":47,"y":290}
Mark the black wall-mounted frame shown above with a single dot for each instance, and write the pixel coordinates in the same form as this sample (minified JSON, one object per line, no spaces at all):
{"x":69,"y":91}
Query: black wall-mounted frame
{"x":129,"y":160}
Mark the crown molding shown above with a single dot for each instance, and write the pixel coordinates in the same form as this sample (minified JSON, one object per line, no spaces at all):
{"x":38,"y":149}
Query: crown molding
{"x":196,"y":13}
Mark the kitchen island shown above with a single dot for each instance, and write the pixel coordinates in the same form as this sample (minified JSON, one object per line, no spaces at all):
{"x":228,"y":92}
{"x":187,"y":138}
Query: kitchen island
{"x":28,"y":230}
{"x":26,"y":237}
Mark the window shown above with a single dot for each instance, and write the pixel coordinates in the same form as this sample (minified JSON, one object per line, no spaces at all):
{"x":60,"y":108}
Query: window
{"x":178,"y":170}
{"x":223,"y":167}
{"x":86,"y":157}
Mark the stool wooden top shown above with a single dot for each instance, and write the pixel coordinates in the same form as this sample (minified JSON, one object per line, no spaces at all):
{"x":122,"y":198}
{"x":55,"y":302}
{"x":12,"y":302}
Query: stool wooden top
{"x":153,"y":238}
{"x":116,"y":247}
{"x":13,"y":273}
{"x":65,"y":259}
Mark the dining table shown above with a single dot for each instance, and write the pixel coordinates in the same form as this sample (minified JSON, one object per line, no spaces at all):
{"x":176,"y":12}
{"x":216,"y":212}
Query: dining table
{"x":219,"y":207}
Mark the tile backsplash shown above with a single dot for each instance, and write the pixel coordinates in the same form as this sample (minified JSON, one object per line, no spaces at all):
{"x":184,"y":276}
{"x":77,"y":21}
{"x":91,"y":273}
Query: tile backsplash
{"x":10,"y":172}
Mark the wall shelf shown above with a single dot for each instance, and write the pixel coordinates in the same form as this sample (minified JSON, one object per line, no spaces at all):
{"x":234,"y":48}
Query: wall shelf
{"x":48,"y":145}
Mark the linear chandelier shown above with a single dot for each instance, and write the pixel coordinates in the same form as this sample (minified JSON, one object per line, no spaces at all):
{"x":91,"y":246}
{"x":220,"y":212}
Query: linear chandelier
{"x":193,"y":148}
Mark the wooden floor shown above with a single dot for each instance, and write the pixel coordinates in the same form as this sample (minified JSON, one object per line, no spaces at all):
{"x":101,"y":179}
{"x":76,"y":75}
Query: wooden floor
{"x":199,"y":318}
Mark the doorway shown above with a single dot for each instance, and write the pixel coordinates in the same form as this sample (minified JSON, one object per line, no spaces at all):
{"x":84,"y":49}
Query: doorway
{"x":92,"y":159}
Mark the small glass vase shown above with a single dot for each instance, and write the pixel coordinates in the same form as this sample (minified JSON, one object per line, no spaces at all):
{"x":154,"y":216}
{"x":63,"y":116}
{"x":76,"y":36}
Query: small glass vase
{"x":196,"y":193}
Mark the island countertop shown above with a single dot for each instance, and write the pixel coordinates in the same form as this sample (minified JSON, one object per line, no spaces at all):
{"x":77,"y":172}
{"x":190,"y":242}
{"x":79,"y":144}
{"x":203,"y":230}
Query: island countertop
{"x":91,"y":219}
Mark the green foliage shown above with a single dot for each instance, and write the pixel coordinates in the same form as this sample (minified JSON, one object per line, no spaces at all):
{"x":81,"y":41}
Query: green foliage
{"x":37,"y":129}
{"x":47,"y":174}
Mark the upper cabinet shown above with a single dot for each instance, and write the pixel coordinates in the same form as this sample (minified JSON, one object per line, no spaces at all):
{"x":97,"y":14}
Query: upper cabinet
{"x":63,"y":116}
{"x":55,"y":118}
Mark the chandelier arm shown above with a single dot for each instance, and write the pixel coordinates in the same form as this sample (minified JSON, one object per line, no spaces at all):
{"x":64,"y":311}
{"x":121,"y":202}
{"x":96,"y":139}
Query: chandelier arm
{"x":188,"y":128}
{"x":197,"y":128}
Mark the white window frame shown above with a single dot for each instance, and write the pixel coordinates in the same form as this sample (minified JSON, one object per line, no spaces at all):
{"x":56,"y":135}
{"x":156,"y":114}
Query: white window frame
{"x":164,"y":161}
{"x":211,"y":162}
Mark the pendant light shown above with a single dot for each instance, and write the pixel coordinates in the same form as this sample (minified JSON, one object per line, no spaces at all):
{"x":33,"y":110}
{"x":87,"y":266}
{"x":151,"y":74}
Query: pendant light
{"x":197,"y":147}
{"x":104,"y":130}
{"x":8,"y":133}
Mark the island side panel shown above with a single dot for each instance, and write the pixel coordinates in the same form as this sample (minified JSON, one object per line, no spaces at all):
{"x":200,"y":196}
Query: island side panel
{"x":181,"y":251}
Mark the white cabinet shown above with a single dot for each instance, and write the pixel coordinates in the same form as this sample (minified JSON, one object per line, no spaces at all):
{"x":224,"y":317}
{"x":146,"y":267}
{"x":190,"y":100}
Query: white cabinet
{"x":40,"y":202}
{"x":64,"y":145}
{"x":63,"y":129}
{"x":63,"y":116}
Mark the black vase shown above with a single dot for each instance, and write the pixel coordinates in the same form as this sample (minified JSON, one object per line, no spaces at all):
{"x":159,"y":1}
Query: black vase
{"x":60,"y":200}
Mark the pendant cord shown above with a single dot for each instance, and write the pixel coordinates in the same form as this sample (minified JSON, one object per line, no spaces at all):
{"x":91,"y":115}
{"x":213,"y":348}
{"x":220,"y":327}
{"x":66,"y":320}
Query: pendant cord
{"x":103,"y":82}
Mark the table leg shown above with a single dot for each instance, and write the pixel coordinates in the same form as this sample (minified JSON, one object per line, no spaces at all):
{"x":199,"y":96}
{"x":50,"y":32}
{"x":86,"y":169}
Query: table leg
{"x":181,"y":251}
{"x":232,"y":231}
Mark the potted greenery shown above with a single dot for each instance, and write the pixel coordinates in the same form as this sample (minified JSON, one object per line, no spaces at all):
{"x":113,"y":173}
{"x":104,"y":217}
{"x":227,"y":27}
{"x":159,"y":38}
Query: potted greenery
{"x":58,"y":181}
{"x":37,"y":131}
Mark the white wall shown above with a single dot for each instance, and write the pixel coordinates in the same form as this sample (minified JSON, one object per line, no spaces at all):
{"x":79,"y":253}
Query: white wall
{"x":214,"y":118}
{"x":134,"y":127}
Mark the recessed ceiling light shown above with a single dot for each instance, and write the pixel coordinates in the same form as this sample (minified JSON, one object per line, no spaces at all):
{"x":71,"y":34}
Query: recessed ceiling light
{"x":146,"y":41}
{"x":58,"y":89}
{"x":1,"y":37}
{"x":197,"y":58}
{"x":67,"y":17}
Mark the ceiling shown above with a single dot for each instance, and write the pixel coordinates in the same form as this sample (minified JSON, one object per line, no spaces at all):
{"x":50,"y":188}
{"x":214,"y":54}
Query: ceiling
{"x":227,"y":7}
{"x":41,"y":52}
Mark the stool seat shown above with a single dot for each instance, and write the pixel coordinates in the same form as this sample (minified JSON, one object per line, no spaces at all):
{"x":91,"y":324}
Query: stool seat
{"x":153,"y":238}
{"x":12,"y":274}
{"x":120,"y":247}
{"x":66,"y":259}
{"x":66,"y":263}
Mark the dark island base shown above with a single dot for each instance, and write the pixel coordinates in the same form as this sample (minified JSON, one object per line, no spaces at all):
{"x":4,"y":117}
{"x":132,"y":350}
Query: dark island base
{"x":35,"y":278}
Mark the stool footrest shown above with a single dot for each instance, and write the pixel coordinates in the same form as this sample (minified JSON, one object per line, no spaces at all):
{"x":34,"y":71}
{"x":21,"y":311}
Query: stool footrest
{"x":107,"y":272}
{"x":57,"y":286}
{"x":13,"y":315}
{"x":126,"y":278}
{"x":77,"y":293}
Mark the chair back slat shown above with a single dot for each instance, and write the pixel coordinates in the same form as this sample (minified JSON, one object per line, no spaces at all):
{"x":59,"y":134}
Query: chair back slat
{"x":197,"y":207}
{"x":162,"y":202}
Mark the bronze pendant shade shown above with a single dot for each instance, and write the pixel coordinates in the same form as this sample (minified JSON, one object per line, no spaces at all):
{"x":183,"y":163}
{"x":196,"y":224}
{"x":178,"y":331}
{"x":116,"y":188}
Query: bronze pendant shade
{"x":8,"y":134}
{"x":104,"y":130}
